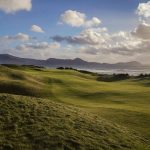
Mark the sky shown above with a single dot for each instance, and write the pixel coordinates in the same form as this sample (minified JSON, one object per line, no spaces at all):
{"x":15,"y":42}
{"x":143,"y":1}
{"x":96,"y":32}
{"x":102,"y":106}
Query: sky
{"x":106,"y":31}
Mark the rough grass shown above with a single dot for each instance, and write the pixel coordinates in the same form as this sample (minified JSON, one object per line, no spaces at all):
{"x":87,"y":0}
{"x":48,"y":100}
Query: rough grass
{"x":125,"y":103}
{"x":31,"y":123}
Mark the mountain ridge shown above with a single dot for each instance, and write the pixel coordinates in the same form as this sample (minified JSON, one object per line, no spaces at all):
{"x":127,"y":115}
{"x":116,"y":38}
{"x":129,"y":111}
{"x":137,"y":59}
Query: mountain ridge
{"x":76,"y":63}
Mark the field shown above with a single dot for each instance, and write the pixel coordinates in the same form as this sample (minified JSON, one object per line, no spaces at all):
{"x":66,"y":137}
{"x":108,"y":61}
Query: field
{"x":66,"y":109}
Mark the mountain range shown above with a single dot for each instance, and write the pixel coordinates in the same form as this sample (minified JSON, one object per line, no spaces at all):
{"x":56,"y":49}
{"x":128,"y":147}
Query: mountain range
{"x":74,"y":63}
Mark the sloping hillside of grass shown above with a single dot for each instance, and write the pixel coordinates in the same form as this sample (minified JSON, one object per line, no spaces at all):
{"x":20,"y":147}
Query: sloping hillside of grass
{"x":125,"y":103}
{"x":31,"y":123}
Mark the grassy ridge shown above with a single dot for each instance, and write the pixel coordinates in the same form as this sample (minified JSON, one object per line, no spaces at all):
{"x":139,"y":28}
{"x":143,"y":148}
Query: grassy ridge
{"x":125,"y":103}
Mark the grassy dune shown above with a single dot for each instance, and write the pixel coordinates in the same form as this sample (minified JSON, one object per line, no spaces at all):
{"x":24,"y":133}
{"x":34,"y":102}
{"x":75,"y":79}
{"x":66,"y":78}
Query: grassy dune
{"x":65,"y":109}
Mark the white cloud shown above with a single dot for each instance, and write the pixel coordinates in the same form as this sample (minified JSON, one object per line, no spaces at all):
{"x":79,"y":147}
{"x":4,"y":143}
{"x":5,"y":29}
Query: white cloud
{"x":97,"y":41}
{"x":19,"y":37}
{"x":38,"y":46}
{"x":12,"y":6}
{"x":94,"y":22}
{"x":36,"y":28}
{"x":91,"y":36}
{"x":38,"y":50}
{"x":7,"y":42}
{"x":78,"y":19}
{"x":144,"y":9}
{"x":142,"y":31}
{"x":95,"y":36}
{"x":73,"y":18}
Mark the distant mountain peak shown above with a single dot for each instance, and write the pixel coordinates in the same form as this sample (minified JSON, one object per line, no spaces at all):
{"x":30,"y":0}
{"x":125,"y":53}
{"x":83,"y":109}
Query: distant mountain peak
{"x":51,"y":59}
{"x":79,"y":60}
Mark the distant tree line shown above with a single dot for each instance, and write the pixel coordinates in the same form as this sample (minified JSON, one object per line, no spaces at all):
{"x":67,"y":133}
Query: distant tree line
{"x":82,"y":71}
{"x":144,"y":75}
{"x":66,"y":68}
{"x":113,"y":77}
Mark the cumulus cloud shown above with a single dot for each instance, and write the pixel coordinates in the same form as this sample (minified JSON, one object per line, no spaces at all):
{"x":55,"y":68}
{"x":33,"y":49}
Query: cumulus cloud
{"x":73,"y":18}
{"x":36,"y":28}
{"x":12,"y":6}
{"x":19,"y":37}
{"x":97,"y":41}
{"x":78,"y":19}
{"x":89,"y":36}
{"x":144,"y":9}
{"x":142,"y":31}
{"x":123,"y":44}
{"x":94,"y":22}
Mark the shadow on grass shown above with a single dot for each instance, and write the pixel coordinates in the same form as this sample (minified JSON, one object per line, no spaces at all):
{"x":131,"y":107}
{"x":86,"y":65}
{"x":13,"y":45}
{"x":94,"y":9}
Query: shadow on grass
{"x":17,"y":88}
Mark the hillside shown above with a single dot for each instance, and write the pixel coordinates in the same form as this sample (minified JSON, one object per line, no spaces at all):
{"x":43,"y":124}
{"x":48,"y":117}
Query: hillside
{"x":66,"y":109}
{"x":31,"y":123}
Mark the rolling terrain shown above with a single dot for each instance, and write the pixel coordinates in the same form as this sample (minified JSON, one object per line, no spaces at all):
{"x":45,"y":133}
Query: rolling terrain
{"x":66,"y":109}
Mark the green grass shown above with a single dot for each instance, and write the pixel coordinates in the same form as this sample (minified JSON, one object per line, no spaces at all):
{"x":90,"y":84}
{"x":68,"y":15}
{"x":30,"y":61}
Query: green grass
{"x":31,"y":123}
{"x":109,"y":115}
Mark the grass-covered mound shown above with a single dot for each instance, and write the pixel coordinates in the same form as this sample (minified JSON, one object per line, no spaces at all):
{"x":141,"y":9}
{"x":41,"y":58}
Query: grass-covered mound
{"x":31,"y":123}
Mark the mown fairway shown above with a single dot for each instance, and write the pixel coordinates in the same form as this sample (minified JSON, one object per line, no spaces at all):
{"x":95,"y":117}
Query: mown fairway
{"x":108,"y":115}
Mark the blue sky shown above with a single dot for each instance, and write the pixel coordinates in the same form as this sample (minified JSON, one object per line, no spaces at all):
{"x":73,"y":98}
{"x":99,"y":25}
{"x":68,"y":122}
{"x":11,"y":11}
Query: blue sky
{"x":115,"y":15}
